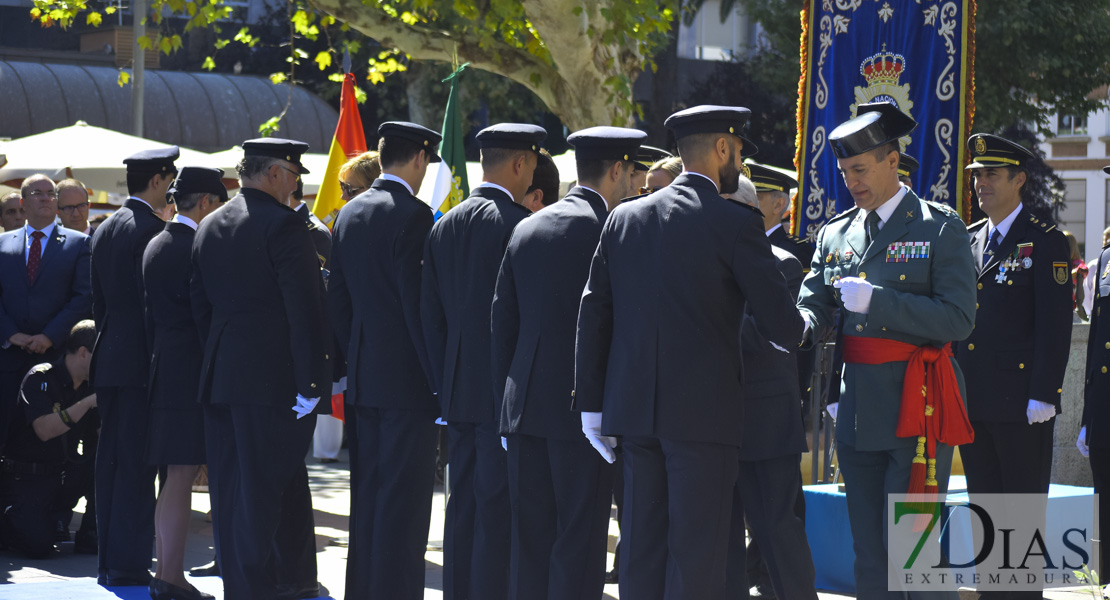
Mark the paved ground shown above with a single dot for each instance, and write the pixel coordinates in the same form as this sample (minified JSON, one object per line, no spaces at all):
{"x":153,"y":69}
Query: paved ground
{"x":68,"y":575}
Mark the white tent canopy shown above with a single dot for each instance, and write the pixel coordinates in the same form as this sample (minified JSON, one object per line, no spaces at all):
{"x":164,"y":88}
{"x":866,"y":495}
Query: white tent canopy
{"x":93,"y":155}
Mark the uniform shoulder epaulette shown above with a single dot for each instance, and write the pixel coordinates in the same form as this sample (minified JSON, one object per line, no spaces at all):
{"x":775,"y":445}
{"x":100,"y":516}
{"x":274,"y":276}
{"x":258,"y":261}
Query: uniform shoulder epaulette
{"x":942,"y":208}
{"x":636,"y":197}
{"x":1041,"y":225}
{"x":977,"y":224}
{"x":845,"y":214}
{"x":749,"y":207}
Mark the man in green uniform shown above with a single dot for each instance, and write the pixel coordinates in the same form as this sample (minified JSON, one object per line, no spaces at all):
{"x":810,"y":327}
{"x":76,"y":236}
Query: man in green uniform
{"x":899,"y":270}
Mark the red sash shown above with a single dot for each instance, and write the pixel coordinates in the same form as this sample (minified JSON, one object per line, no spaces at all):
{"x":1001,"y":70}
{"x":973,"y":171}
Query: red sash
{"x":931,"y":409}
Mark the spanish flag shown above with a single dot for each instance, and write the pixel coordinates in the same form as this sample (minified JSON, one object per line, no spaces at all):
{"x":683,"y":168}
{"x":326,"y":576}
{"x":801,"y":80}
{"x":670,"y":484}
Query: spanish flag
{"x":349,"y":141}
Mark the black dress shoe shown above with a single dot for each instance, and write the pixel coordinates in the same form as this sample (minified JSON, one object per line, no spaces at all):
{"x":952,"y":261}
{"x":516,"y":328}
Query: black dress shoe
{"x":164,"y":590}
{"x":126,"y":578}
{"x":211,"y":569}
{"x":61,"y":532}
{"x":612,"y":576}
{"x":288,"y":591}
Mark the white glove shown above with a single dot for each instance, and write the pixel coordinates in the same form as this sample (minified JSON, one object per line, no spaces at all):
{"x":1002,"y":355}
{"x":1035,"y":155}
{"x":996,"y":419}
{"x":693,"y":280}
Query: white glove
{"x":856,"y":294}
{"x":504,"y":444}
{"x":1039,"y":412}
{"x":831,"y":409}
{"x":1081,"y":442}
{"x":304,"y":405}
{"x":591,"y":426}
{"x":440,"y":421}
{"x":779,"y":348}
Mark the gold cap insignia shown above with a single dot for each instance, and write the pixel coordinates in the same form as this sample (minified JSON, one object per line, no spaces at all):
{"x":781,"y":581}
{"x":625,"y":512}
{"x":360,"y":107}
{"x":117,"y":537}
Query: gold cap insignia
{"x":980,"y":145}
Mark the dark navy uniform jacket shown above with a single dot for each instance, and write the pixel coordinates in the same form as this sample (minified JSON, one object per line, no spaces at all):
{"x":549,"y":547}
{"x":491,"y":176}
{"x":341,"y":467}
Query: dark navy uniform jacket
{"x":1096,"y":403}
{"x":1019,"y":347}
{"x":121,"y":357}
{"x":374,"y":297}
{"x":658,"y":349}
{"x":60,"y":297}
{"x":772,"y":411}
{"x":258,"y":301}
{"x":801,"y":249}
{"x":535,"y":315}
{"x":461,"y":260}
{"x":174,"y":340}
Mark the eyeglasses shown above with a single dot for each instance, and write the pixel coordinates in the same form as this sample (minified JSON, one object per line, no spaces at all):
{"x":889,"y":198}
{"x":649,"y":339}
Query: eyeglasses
{"x":350,"y":190}
{"x":295,"y":174}
{"x":70,"y":209}
{"x":42,"y":194}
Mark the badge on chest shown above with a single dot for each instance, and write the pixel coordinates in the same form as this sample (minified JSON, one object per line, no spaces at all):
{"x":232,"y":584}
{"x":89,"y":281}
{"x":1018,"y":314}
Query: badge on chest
{"x":899,"y":252}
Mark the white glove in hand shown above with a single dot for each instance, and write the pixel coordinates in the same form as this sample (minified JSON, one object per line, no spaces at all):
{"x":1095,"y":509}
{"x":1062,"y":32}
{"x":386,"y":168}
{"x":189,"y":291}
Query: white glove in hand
{"x":856,"y":294}
{"x":1081,"y":442}
{"x":591,"y":426}
{"x":304,"y":405}
{"x":831,"y":409}
{"x":1039,"y":412}
{"x":779,"y":348}
{"x":504,"y":444}
{"x":440,"y":421}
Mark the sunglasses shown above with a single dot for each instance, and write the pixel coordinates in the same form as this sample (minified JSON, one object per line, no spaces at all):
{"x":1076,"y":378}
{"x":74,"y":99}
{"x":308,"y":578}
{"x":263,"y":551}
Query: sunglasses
{"x":349,"y":189}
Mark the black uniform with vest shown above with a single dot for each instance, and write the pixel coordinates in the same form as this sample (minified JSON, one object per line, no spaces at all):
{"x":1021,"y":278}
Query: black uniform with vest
{"x":658,"y":354}
{"x":559,"y":487}
{"x":120,"y":375}
{"x":33,"y":472}
{"x":374,"y":297}
{"x":769,"y":486}
{"x":461,"y":260}
{"x":257,"y":296}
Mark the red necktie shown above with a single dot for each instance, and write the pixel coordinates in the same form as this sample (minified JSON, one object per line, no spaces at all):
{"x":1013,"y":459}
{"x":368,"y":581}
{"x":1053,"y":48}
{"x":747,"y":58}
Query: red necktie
{"x":34,"y":257}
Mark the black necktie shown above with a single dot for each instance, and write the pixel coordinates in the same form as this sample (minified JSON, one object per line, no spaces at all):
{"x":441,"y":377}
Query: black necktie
{"x":872,"y":226}
{"x":992,"y":246}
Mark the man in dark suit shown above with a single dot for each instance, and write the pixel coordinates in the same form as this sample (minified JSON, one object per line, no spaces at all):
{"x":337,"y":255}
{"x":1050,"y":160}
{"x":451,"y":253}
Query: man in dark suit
{"x":461,"y":259}
{"x":558,"y":486}
{"x":124,"y":479}
{"x":177,"y":420}
{"x":898,"y":269}
{"x":374,"y":296}
{"x":769,"y":485}
{"x":1014,"y":359}
{"x":259,"y":303}
{"x":44,"y":275}
{"x":1094,"y":436}
{"x":658,"y":355}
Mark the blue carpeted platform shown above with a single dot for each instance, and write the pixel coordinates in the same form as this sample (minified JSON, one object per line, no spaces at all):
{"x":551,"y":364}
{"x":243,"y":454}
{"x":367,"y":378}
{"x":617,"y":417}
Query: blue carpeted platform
{"x":86,"y":589}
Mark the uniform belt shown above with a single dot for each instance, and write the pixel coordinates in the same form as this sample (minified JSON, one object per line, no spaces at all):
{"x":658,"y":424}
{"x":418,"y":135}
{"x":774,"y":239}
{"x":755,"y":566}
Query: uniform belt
{"x":931,"y":410}
{"x":21,"y":467}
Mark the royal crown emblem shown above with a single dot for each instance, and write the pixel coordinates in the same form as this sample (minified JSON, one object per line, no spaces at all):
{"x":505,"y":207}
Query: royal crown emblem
{"x":980,"y":146}
{"x":883,"y":68}
{"x":881,"y":72}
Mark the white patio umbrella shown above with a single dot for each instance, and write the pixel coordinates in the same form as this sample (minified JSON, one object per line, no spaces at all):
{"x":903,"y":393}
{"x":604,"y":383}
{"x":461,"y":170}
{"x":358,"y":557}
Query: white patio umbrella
{"x":315,"y":163}
{"x":93,"y":155}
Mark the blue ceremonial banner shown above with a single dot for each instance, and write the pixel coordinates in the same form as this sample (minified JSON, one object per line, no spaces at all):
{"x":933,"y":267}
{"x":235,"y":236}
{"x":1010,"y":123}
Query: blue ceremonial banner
{"x":917,"y":54}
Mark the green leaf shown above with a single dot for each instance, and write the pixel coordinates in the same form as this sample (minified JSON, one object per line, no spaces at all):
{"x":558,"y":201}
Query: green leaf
{"x":209,"y":64}
{"x":336,"y":77}
{"x":323,"y":60}
{"x":124,"y":78}
{"x":93,"y":18}
{"x":270,"y":127}
{"x":109,"y":10}
{"x":277,"y":78}
{"x":221,"y":43}
{"x":360,"y":95}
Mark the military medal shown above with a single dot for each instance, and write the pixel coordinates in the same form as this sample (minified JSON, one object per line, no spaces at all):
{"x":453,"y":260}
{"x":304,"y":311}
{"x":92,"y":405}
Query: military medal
{"x":1003,"y":267}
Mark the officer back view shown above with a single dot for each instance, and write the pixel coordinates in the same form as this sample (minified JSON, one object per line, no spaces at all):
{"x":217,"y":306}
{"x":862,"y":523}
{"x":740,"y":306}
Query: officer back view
{"x":658,"y":355}
{"x":461,"y":259}
{"x":258,"y":300}
{"x":121,"y":361}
